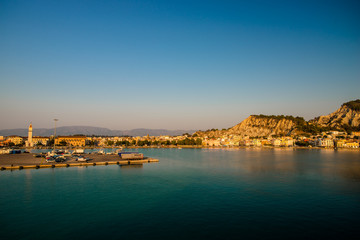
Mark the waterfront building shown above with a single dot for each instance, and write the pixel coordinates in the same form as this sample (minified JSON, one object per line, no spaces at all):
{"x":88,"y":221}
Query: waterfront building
{"x":351,"y":145}
{"x":246,"y":142}
{"x":78,"y":141}
{"x":256,"y":142}
{"x":340,"y":143}
{"x":14,"y":139}
{"x":324,"y":142}
{"x":287,"y":142}
{"x":40,"y":140}
{"x":2,"y":141}
{"x":276,"y":142}
{"x":265,"y":142}
{"x":212,"y":142}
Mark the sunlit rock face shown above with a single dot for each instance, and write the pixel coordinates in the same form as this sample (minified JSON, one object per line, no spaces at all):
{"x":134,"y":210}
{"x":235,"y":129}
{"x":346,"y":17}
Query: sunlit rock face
{"x":347,"y":114}
{"x":255,"y":126}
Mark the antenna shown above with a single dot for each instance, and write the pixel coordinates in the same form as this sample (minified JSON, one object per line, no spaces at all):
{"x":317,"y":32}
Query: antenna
{"x":55,"y":120}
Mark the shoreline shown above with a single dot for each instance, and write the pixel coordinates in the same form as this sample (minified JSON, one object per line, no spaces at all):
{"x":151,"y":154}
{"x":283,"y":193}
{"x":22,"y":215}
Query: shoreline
{"x":199,"y":147}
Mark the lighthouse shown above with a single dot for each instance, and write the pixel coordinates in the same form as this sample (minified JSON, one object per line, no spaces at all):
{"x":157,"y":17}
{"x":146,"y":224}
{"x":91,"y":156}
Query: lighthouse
{"x":30,"y":141}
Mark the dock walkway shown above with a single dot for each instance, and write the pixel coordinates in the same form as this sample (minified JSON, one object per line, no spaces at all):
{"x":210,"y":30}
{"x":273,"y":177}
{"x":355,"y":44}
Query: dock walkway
{"x":28,"y":161}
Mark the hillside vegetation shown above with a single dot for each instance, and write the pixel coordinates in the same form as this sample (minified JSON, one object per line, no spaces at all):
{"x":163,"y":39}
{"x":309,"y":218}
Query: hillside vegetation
{"x":353,"y":105}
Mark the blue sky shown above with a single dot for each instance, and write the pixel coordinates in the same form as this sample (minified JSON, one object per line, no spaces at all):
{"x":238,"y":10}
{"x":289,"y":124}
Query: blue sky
{"x":175,"y":64}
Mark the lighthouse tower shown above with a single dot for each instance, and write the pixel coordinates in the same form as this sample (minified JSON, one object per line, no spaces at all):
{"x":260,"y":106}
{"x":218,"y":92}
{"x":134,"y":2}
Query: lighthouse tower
{"x":30,"y":141}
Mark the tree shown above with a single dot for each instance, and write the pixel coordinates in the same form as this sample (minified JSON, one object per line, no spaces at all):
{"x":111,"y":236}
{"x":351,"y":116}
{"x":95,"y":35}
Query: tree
{"x":20,"y":144}
{"x":91,"y":143}
{"x":50,"y":142}
{"x":354,"y":105}
{"x":125,"y":142}
{"x":302,"y":143}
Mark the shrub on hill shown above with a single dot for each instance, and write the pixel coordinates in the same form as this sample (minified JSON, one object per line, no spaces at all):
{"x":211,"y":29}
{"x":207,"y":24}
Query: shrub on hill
{"x":354,"y":105}
{"x":301,"y":124}
{"x":297,"y":120}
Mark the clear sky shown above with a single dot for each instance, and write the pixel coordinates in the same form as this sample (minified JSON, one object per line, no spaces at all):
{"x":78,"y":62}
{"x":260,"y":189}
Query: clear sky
{"x":174,"y":64}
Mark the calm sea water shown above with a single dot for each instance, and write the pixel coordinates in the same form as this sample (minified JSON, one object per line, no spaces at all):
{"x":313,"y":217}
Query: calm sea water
{"x":189,"y":194}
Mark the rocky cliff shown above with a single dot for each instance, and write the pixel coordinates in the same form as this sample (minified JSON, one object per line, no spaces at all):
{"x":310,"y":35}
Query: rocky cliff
{"x":259,"y":125}
{"x":348,"y":115}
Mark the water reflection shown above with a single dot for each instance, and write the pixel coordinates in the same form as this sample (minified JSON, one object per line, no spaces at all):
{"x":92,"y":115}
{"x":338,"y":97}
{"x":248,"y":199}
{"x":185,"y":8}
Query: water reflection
{"x":28,"y":191}
{"x":313,"y":162}
{"x":131,"y":166}
{"x":275,"y":161}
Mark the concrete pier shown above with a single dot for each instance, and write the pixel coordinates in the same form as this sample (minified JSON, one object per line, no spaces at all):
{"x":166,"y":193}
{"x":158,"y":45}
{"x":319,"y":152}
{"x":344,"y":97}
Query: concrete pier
{"x":27,"y":161}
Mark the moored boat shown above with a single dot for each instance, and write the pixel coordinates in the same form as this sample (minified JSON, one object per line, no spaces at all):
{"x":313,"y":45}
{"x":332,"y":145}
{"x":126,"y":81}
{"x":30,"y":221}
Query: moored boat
{"x":78,"y":151}
{"x":131,"y":155}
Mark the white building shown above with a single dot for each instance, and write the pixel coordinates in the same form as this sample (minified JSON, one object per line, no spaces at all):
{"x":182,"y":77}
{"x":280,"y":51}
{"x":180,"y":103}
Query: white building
{"x":324,"y":142}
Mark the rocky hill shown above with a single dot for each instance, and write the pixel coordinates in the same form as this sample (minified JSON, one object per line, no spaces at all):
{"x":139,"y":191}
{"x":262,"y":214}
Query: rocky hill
{"x":261,"y":126}
{"x":346,"y":117}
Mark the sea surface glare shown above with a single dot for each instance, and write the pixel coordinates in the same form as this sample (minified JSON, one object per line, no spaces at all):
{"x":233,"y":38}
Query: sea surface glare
{"x":189,"y":194}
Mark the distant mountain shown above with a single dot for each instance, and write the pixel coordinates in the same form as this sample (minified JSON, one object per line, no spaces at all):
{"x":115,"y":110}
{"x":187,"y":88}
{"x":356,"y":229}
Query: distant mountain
{"x":155,"y":132}
{"x":88,"y":130}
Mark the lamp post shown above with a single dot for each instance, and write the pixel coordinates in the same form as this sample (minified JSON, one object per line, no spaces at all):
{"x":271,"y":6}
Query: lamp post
{"x":55,"y":120}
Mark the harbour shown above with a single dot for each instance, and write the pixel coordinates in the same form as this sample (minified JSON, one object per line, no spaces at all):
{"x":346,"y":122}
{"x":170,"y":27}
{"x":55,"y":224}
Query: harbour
{"x":189,"y":194}
{"x":29,"y":161}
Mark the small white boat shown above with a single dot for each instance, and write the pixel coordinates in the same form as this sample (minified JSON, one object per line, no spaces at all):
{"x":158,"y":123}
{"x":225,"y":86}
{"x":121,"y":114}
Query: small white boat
{"x":67,"y":154}
{"x":78,"y":151}
{"x":82,"y":159}
{"x":50,"y":154}
{"x":101,"y":151}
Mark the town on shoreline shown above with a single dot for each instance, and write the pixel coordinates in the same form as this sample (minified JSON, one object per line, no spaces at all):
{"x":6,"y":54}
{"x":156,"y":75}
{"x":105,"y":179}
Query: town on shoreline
{"x":340,"y":129}
{"x":330,"y":139}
